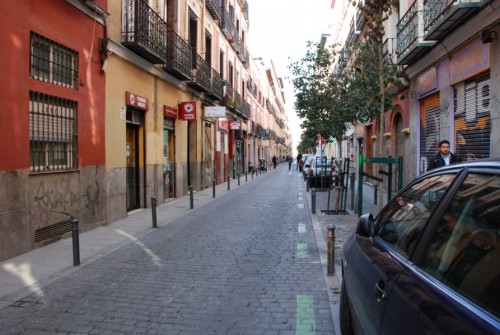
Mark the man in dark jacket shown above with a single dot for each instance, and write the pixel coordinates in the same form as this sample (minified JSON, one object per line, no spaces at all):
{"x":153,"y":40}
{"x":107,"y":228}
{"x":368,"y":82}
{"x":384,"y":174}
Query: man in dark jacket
{"x":444,"y":156}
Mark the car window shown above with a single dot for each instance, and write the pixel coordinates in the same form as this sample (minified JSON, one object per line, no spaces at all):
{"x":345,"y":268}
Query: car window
{"x":465,"y":251}
{"x":403,"y":219}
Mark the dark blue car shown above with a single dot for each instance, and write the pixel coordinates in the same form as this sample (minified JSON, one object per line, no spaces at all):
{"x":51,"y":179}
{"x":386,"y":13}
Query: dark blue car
{"x":429,"y":262}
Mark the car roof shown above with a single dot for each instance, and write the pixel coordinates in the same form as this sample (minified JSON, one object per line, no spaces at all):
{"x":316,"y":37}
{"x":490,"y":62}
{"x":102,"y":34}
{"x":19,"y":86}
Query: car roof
{"x":493,"y":162}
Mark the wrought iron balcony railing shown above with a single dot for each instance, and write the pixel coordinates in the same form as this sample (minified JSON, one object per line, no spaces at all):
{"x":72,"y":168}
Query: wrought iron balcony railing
{"x":360,"y":20}
{"x":144,"y":31}
{"x":179,"y":57}
{"x":217,"y":89}
{"x":389,"y":51}
{"x":215,"y":8}
{"x":441,"y":17}
{"x":201,"y":75}
{"x":411,"y":43}
{"x":245,"y":109}
{"x":227,"y":25}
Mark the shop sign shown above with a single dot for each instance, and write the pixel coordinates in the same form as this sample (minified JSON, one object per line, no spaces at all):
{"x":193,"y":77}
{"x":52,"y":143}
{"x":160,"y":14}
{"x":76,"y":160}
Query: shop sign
{"x":215,"y":111}
{"x":169,"y":112}
{"x":235,"y":125}
{"x":469,"y":61}
{"x":187,"y":111}
{"x":223,"y":124}
{"x":136,"y":101}
{"x":427,"y":81}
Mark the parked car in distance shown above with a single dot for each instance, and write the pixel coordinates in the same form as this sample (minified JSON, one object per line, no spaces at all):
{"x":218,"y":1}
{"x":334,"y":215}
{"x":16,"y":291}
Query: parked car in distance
{"x":429,"y":262}
{"x":320,"y":172}
{"x":307,"y":165}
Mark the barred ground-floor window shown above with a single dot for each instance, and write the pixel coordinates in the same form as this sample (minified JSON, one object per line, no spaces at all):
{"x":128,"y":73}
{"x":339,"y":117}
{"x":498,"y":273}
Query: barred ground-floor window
{"x":53,"y":133}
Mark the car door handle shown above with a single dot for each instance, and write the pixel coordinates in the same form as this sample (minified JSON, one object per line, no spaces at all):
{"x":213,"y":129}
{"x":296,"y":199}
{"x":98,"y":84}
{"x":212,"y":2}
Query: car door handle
{"x":379,"y":291}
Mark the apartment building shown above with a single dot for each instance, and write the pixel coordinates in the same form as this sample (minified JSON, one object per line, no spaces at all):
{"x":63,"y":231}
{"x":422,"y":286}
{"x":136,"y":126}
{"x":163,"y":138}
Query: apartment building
{"x":448,"y":59}
{"x":111,"y":104}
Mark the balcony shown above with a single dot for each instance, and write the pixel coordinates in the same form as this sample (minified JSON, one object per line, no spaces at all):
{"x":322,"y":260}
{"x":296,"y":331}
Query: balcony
{"x":353,"y":33}
{"x":360,"y":20}
{"x":389,"y":51}
{"x":411,"y":43}
{"x":201,"y":75}
{"x":144,"y":32}
{"x":215,"y":8}
{"x":216,"y":89}
{"x":179,"y":60}
{"x":246,"y":56}
{"x":227,"y":26}
{"x":441,"y":17}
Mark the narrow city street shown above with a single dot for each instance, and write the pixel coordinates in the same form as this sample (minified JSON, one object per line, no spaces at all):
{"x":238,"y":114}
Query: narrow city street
{"x":246,"y":263}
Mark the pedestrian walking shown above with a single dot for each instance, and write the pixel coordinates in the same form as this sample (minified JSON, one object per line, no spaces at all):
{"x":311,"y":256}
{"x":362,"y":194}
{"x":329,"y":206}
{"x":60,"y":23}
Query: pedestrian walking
{"x":443,"y":157}
{"x":289,"y":159}
{"x":275,"y":161}
{"x":299,"y":159}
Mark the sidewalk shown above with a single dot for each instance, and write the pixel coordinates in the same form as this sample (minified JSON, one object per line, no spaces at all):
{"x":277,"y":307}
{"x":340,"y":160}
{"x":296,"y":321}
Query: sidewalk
{"x":29,"y":272}
{"x":345,"y":225}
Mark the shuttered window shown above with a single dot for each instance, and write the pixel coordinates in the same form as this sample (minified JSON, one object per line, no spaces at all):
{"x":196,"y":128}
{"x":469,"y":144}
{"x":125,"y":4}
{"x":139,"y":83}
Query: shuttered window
{"x":472,"y":119}
{"x":430,"y":125}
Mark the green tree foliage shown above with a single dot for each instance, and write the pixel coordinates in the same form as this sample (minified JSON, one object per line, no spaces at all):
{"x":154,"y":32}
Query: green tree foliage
{"x":318,"y":94}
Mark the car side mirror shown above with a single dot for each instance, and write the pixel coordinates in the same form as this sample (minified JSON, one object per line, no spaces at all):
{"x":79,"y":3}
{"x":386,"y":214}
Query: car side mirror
{"x":366,"y":226}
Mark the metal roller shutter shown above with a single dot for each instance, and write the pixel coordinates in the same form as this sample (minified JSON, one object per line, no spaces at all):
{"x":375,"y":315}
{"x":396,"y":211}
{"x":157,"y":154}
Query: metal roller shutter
{"x":472,"y":119}
{"x":430,"y":124}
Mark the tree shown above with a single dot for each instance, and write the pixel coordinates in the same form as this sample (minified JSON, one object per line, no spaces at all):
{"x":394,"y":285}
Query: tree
{"x":375,"y":13}
{"x":319,"y":93}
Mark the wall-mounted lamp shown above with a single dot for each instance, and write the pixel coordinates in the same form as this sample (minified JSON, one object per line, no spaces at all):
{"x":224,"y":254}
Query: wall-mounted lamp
{"x":487,"y":36}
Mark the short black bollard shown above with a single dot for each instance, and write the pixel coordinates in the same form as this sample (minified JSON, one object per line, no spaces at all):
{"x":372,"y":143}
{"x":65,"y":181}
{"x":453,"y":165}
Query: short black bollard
{"x":308,"y":183}
{"x":313,"y":200}
{"x":76,"y":241}
{"x":331,"y":249}
{"x":191,"y":202}
{"x":228,"y":183}
{"x":375,"y":194}
{"x":153,"y":211}
{"x":239,"y":178}
{"x":246,"y":176}
{"x":213,"y":188}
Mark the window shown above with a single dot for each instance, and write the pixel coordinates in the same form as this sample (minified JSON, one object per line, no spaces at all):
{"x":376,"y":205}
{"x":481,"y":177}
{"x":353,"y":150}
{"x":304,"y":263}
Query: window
{"x":52,"y":62}
{"x":465,"y":249}
{"x":53,"y":133}
{"x":403,"y":220}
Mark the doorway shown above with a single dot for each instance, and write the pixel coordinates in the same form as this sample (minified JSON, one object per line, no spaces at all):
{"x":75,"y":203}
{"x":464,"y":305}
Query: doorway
{"x":132,"y":186}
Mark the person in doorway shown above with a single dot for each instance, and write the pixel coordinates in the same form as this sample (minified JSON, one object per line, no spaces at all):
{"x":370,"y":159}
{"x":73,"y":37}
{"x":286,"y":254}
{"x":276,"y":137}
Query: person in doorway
{"x":299,"y":159}
{"x":275,"y":161}
{"x":443,"y":157}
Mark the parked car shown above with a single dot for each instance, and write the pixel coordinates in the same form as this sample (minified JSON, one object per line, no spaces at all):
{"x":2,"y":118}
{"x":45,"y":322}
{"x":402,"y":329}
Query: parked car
{"x":319,"y":172}
{"x":429,"y":262}
{"x":307,"y":165}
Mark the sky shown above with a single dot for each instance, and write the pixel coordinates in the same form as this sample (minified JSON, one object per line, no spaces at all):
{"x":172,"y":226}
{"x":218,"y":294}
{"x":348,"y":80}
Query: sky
{"x":279,"y":30}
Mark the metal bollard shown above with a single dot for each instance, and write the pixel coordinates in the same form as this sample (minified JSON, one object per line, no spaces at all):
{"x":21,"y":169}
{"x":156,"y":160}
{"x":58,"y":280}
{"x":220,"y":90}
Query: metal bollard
{"x":353,"y":176}
{"x":213,"y":188}
{"x":313,"y":200}
{"x":246,"y":176}
{"x":76,"y":241}
{"x":228,"y":183}
{"x":191,"y":202}
{"x":375,"y":194}
{"x":153,"y":211}
{"x":331,"y":249}
{"x":308,"y":182}
{"x":239,"y":178}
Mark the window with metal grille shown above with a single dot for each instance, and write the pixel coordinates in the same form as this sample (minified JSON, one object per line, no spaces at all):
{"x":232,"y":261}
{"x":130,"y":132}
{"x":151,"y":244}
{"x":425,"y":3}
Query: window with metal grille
{"x":52,"y":62}
{"x":53,"y":133}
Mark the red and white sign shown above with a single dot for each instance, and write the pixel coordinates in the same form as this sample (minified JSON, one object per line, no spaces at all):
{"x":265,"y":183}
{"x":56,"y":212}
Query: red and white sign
{"x":235,"y":125}
{"x":223,"y":124}
{"x":187,"y":111}
{"x":169,"y":112}
{"x":136,"y":101}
